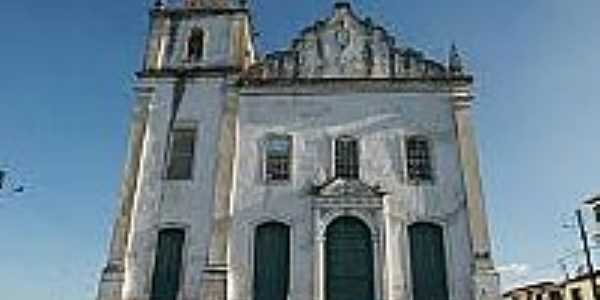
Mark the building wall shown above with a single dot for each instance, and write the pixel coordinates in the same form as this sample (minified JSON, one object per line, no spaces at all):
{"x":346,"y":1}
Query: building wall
{"x":381,"y":121}
{"x":183,"y":204}
{"x":560,"y":290}
{"x":583,"y":284}
{"x":228,"y":198}
{"x":226,"y":35}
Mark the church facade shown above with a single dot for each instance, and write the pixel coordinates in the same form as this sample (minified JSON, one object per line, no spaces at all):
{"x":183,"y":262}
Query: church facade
{"x":342,"y":168}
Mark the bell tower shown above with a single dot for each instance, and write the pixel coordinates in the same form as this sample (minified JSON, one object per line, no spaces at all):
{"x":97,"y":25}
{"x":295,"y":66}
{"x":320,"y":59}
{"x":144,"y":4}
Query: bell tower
{"x":177,"y":176}
{"x":199,"y":34}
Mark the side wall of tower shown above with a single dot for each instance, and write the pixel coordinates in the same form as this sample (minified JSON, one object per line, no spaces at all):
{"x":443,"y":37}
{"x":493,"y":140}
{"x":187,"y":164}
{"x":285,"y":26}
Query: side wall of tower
{"x":189,"y":204}
{"x":175,"y":91}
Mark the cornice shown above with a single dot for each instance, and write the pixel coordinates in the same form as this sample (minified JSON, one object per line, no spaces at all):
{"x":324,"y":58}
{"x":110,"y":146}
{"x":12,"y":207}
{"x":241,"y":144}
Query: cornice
{"x":324,"y":86}
{"x":186,"y":12}
{"x":215,"y":71}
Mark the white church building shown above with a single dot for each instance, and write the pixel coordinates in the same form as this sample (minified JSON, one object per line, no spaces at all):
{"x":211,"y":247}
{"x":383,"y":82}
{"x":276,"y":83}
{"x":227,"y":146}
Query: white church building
{"x":341,"y":168}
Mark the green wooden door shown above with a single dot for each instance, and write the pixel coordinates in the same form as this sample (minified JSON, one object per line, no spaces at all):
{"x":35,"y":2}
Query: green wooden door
{"x":428,"y":262}
{"x":271,"y":262}
{"x":349,"y":261}
{"x":167,"y":265}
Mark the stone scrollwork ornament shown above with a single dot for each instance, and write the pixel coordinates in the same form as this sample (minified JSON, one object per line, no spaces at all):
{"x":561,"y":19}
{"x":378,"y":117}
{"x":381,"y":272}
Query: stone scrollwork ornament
{"x":343,"y":38}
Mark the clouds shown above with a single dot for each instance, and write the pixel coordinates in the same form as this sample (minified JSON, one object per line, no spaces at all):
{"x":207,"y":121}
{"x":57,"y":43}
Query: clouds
{"x":514,"y":269}
{"x":514,"y":274}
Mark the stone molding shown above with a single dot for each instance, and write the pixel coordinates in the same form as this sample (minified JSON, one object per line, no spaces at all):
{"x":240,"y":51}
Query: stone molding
{"x":347,"y":46}
{"x":337,"y":86}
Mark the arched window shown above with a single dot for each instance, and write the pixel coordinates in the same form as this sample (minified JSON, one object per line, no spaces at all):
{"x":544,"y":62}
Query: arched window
{"x":428,"y":262}
{"x":418,"y":159}
{"x":167,"y":264}
{"x":347,"y":163}
{"x":272,"y":262}
{"x":195,"y":45}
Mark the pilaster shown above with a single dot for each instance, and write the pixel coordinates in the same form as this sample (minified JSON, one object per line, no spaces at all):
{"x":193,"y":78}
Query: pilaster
{"x":215,"y":276}
{"x":112,"y":277}
{"x":139,"y":259}
{"x":486,"y":279}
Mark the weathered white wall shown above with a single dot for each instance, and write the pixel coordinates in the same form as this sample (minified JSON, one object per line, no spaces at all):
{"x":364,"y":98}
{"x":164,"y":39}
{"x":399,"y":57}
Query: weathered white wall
{"x":225,"y":35}
{"x":182,"y":204}
{"x":381,"y":118}
{"x":381,"y":122}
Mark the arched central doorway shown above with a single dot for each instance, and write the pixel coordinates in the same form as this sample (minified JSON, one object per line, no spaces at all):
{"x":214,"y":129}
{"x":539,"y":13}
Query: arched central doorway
{"x":348,"y":261}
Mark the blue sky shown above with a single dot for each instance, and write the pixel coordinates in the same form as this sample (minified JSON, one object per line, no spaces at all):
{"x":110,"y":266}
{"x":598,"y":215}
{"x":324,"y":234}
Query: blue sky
{"x":67,"y":69}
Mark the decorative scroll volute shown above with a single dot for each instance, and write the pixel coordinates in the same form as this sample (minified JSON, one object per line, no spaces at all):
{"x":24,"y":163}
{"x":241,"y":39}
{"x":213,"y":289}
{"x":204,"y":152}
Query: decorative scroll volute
{"x":345,"y":46}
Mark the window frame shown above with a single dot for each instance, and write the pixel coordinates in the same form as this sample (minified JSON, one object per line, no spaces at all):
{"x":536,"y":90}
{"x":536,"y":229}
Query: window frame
{"x":430,"y":160}
{"x":265,"y":158}
{"x":334,"y":169}
{"x":204,"y":37}
{"x":170,"y":152}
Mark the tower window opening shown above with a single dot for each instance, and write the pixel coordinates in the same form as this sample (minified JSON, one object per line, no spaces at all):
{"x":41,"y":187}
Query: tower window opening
{"x":196,"y":45}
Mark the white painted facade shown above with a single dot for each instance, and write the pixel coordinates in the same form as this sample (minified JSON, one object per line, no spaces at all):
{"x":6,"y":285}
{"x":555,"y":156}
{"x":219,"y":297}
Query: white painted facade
{"x":342,"y":76}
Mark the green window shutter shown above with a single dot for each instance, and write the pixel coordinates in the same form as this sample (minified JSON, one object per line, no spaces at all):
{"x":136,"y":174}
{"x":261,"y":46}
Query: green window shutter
{"x":428,"y":262}
{"x":167,"y":266}
{"x":272,"y":262}
{"x":349,"y":261}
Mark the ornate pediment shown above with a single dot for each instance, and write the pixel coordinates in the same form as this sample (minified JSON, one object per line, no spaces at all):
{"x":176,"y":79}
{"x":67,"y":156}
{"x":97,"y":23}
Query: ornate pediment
{"x":343,"y":188}
{"x":346,"y":46}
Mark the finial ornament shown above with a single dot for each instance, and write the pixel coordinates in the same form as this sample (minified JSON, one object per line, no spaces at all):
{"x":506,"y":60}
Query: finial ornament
{"x":455,"y":64}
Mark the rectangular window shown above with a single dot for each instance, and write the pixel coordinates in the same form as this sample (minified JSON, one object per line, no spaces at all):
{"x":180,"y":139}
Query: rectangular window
{"x":346,"y":158}
{"x":278,"y":158}
{"x":181,"y":154}
{"x":418,"y":160}
{"x":196,"y":45}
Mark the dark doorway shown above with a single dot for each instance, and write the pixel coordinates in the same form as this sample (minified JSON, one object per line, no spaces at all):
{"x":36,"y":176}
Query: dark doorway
{"x":167,"y":265}
{"x":272,"y":262}
{"x":428,"y":262}
{"x":349,"y":260}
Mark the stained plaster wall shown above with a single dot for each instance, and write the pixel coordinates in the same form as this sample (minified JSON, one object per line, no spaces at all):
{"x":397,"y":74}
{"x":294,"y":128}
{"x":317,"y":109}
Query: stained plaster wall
{"x":183,"y":204}
{"x":381,"y":122}
{"x":224,"y":37}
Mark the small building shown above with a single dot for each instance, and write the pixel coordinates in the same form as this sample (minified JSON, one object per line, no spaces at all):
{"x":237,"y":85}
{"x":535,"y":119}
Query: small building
{"x":577,"y":288}
{"x":545,"y":290}
{"x":580,"y":287}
